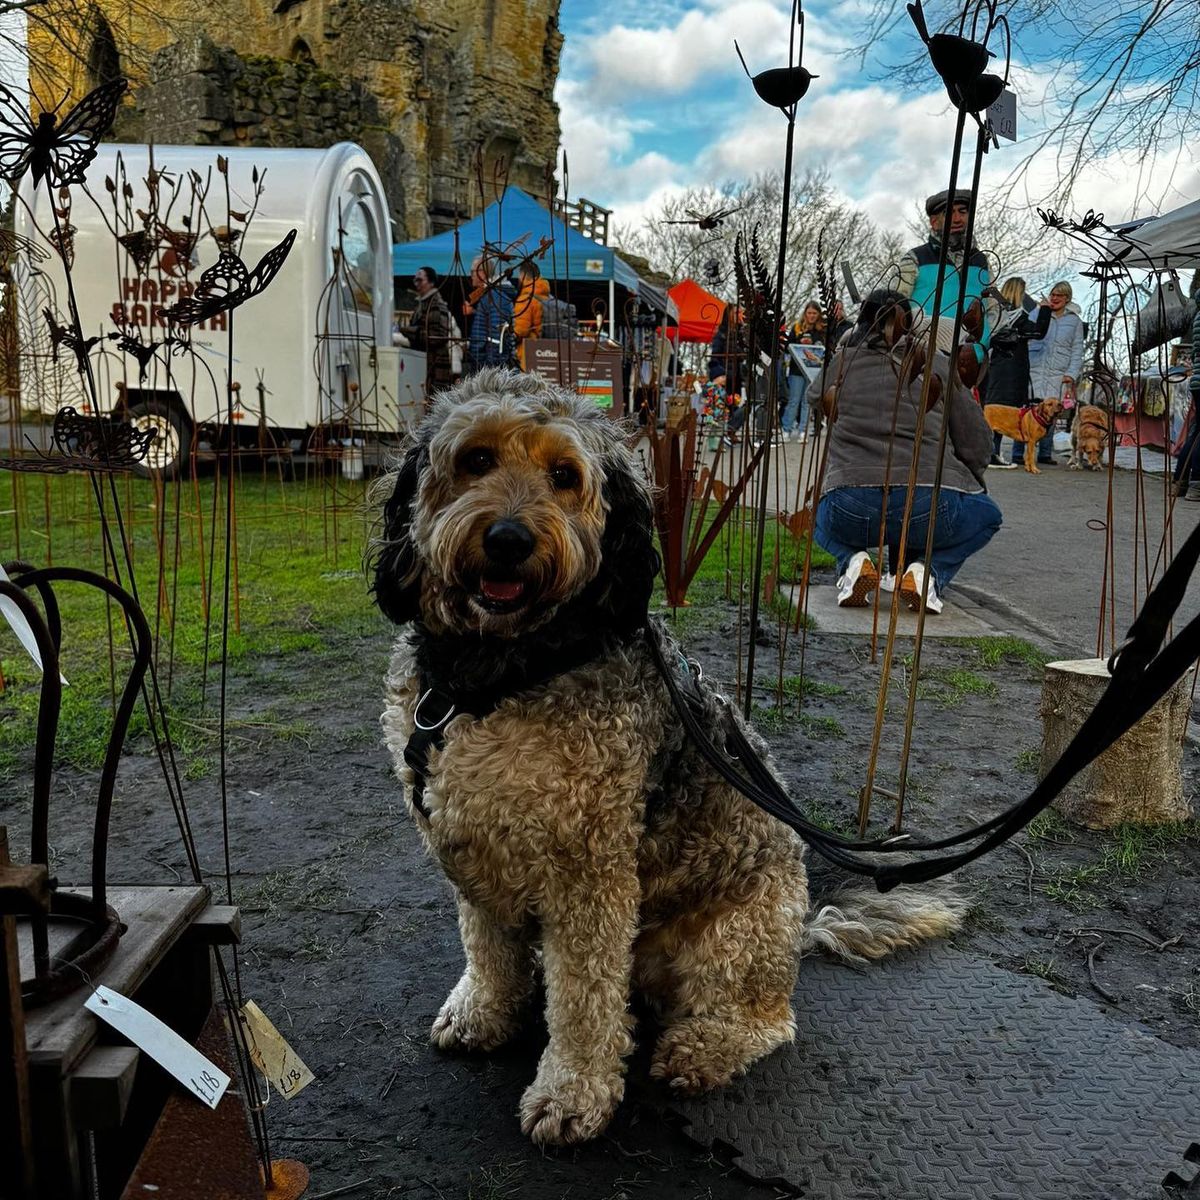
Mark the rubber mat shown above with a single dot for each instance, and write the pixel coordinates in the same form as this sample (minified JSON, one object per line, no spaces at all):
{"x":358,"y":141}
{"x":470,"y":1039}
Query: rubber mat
{"x":934,"y":1074}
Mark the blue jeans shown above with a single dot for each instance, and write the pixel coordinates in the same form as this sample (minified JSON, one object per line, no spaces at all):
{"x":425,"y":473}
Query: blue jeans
{"x":849,"y":519}
{"x":1188,"y":463}
{"x":795,"y":412}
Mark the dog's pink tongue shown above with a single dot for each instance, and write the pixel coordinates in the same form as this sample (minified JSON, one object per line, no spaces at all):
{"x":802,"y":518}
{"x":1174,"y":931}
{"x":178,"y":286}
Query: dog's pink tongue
{"x":495,"y":589}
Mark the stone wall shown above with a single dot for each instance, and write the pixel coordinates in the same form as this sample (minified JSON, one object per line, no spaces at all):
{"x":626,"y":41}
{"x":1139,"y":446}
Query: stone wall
{"x":198,"y":93}
{"x":437,"y":91}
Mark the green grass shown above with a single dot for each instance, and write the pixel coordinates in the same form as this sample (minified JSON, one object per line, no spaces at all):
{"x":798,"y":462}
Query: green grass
{"x":1130,"y":850}
{"x":994,"y":652}
{"x":1047,"y":826}
{"x":1028,"y":762}
{"x":300,"y":592}
{"x":825,"y":817}
{"x":1123,"y":855}
{"x":1044,"y":968}
{"x":819,"y":727}
{"x":731,"y":556}
{"x":955,"y":684}
{"x":802,"y":686}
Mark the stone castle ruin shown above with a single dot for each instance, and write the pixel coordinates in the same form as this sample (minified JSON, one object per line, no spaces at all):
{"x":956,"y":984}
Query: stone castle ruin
{"x":443,"y":94}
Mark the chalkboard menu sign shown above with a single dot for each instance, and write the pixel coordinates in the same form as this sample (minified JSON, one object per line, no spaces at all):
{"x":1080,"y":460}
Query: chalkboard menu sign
{"x":583,"y":368}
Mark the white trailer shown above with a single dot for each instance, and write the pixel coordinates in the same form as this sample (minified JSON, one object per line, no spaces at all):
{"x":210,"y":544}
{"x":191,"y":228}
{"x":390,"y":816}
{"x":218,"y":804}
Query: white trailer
{"x":312,"y":356}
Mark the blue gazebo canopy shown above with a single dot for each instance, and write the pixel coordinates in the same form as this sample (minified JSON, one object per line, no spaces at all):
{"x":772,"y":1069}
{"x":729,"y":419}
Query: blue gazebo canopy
{"x":517,"y":217}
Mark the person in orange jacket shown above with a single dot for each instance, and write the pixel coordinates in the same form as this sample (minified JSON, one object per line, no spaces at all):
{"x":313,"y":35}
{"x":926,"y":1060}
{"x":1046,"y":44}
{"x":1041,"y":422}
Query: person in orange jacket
{"x":527,"y":308}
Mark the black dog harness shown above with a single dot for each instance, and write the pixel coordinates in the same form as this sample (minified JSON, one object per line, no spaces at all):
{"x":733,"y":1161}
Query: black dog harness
{"x":1142,"y":669}
{"x":440,"y":700}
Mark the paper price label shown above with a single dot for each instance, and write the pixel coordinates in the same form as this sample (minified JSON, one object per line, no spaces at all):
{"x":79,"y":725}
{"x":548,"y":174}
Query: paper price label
{"x":16,"y":618}
{"x":271,"y":1054}
{"x":200,"y":1076}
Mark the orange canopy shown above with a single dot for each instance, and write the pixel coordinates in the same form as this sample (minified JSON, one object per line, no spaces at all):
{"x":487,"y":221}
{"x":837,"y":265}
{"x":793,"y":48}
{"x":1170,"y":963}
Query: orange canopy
{"x":700,"y":312}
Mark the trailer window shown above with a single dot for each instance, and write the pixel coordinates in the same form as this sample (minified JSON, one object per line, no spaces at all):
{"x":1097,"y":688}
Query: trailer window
{"x":360,"y":245}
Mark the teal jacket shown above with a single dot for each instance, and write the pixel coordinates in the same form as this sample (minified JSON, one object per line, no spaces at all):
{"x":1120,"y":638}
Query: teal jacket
{"x":918,"y":281}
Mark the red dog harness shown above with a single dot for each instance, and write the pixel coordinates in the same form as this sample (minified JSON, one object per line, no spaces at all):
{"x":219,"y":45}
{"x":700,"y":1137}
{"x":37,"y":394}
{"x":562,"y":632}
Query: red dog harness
{"x":1037,"y":416}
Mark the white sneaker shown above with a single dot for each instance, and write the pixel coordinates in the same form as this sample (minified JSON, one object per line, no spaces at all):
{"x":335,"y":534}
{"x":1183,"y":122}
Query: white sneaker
{"x":887,"y":583}
{"x":860,"y":580}
{"x":910,"y":590}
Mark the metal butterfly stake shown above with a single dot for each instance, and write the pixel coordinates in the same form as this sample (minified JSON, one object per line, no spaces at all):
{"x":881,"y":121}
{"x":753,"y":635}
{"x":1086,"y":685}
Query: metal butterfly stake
{"x":782,"y":88}
{"x":87,"y":444}
{"x":227,"y":284}
{"x":59,"y":153}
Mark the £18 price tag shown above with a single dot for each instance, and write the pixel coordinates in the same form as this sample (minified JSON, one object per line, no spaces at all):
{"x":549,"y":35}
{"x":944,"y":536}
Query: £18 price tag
{"x":200,"y":1076}
{"x":272,"y":1055}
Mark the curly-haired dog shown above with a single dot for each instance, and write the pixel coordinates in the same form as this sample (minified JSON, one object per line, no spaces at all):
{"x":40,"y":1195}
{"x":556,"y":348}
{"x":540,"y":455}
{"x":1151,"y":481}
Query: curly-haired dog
{"x":1089,"y":436}
{"x":569,"y":810}
{"x":1027,"y":424}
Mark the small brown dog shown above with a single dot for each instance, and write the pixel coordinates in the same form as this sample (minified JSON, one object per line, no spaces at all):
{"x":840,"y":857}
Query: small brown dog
{"x":1027,"y":424}
{"x":1089,"y":436}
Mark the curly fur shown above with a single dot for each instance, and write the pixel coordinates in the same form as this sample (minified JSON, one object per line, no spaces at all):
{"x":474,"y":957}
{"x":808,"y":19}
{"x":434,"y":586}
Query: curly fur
{"x":575,"y":819}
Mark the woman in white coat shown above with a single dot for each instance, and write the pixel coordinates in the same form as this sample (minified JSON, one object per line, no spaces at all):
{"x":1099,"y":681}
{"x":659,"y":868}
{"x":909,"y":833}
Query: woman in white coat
{"x":1056,"y":361}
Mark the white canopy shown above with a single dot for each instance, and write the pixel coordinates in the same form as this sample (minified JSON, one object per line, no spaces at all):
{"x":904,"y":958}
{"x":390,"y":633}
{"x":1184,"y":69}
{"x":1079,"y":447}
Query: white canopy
{"x":1159,"y":243}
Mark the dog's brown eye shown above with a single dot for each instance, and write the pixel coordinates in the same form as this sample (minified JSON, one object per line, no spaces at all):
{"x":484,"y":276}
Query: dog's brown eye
{"x":564,"y":476}
{"x":478,"y":461}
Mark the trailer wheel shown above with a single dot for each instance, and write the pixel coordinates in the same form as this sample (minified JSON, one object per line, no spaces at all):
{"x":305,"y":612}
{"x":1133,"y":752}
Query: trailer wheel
{"x":172,"y":446}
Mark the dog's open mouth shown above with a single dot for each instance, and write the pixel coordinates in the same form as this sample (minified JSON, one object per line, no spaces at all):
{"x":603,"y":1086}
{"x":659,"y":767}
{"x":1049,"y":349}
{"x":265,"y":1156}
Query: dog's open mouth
{"x":501,"y":595}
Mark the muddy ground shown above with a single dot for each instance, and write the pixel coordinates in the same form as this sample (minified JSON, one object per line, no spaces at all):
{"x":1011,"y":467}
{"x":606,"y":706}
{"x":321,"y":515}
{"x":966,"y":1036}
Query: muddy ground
{"x":351,"y":945}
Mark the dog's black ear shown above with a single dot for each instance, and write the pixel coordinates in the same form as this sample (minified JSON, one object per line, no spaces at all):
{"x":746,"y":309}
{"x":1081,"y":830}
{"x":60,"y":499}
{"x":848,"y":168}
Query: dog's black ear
{"x":397,"y":582}
{"x":629,"y":562}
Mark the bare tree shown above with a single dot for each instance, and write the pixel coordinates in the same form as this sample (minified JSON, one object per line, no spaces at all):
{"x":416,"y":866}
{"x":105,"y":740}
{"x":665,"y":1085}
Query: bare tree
{"x":1126,"y":79}
{"x":822,"y":225}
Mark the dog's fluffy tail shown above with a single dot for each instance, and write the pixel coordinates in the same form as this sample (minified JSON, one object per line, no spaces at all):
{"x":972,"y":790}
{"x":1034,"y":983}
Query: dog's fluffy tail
{"x":860,"y":924}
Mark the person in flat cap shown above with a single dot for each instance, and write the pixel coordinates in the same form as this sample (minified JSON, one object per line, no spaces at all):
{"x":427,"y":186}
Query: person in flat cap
{"x":917,"y":280}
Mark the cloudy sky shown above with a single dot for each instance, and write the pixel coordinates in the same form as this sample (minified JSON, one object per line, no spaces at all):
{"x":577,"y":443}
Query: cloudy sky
{"x":653,"y":99}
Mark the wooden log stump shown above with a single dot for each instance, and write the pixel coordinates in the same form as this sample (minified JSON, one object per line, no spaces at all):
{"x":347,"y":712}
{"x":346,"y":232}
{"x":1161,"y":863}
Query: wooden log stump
{"x":1139,"y":777}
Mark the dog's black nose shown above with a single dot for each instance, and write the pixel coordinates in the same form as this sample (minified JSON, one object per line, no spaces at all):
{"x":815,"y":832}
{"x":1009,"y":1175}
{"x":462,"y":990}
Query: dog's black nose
{"x":508,"y":543}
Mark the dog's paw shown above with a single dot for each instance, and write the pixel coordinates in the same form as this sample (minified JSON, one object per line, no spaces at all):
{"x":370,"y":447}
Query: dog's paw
{"x":562,"y":1107}
{"x":1074,"y":466}
{"x":468,"y":1022}
{"x":702,"y":1053}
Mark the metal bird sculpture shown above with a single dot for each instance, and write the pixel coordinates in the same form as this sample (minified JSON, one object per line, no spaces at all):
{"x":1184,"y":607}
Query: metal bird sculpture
{"x":961,"y":61}
{"x":705,"y":220}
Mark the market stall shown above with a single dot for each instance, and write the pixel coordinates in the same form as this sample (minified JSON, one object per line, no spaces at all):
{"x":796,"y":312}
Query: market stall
{"x":581,"y":272}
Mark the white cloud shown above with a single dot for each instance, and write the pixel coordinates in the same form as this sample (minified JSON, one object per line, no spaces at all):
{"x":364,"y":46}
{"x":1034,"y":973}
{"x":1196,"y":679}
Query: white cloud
{"x":672,"y":58}
{"x":885,"y":149}
{"x":601,"y":154}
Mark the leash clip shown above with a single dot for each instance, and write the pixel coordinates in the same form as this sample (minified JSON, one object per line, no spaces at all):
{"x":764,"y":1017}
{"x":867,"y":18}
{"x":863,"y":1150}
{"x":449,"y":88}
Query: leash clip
{"x":437,"y":724}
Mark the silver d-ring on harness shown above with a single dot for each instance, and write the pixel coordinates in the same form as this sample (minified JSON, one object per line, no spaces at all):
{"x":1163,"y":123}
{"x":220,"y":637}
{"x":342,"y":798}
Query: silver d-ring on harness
{"x":417,"y":714}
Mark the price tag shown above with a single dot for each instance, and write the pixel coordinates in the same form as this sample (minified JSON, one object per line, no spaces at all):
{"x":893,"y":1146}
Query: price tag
{"x":201,"y":1077}
{"x":1003,"y":116}
{"x":272,"y":1055}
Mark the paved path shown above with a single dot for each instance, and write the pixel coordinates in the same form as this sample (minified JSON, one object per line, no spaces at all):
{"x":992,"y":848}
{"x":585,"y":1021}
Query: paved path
{"x":1047,"y":561}
{"x":1044,"y":570}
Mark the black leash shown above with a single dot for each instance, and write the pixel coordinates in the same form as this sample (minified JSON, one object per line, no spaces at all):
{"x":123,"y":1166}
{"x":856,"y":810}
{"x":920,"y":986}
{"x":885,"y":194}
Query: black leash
{"x":1142,"y":674}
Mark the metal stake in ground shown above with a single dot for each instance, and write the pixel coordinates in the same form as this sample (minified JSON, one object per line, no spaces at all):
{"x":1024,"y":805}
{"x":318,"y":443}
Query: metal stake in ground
{"x":783,"y":88}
